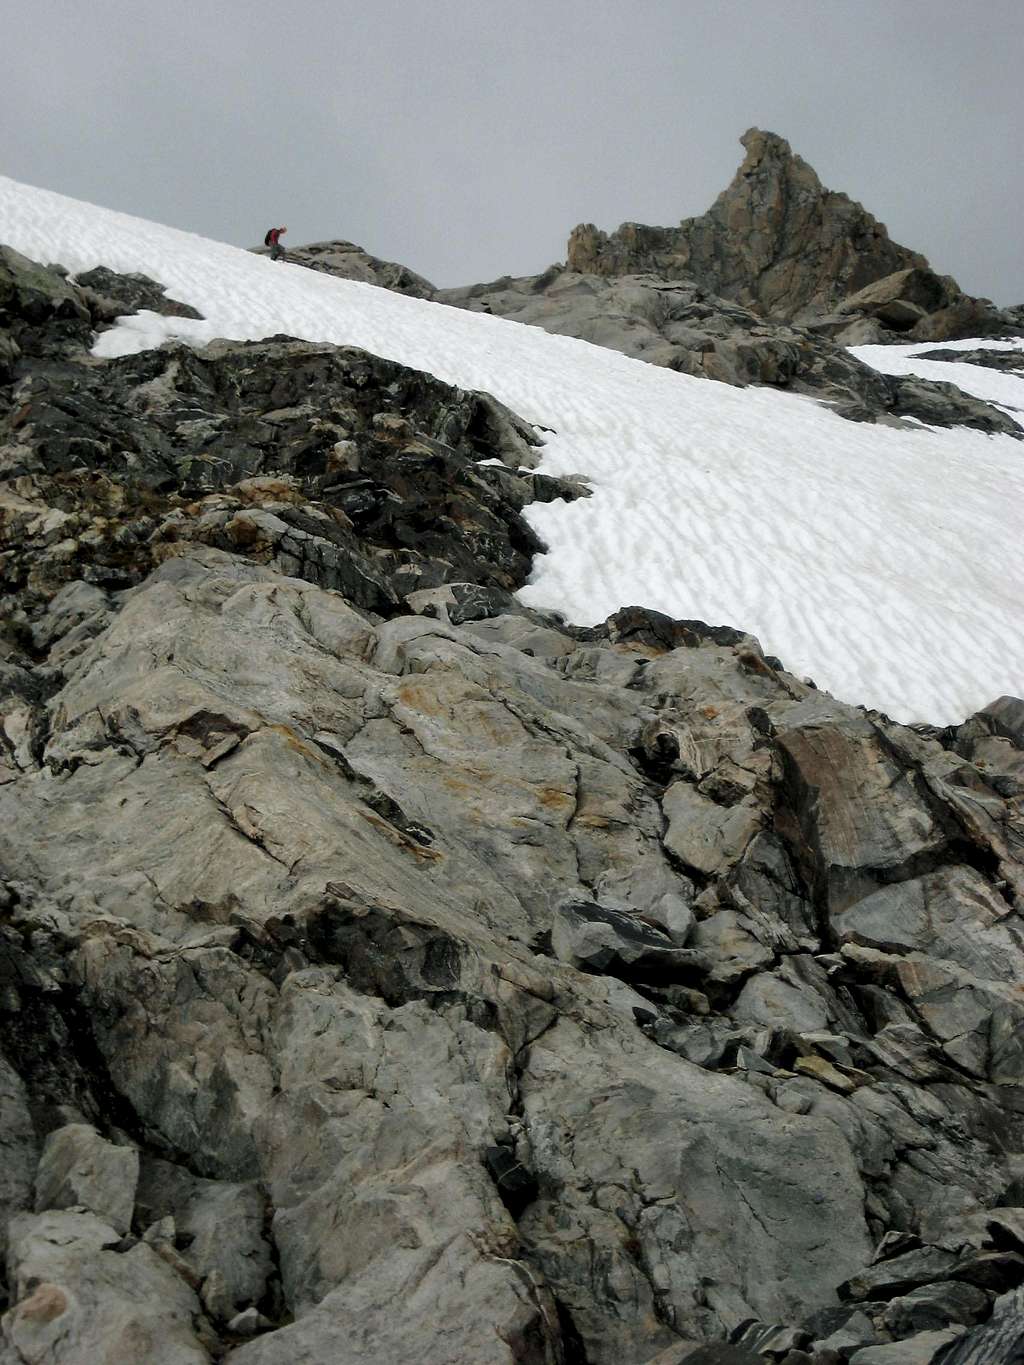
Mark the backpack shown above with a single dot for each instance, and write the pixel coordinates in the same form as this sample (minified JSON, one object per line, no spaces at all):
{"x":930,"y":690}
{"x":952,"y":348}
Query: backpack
{"x":266,"y":239}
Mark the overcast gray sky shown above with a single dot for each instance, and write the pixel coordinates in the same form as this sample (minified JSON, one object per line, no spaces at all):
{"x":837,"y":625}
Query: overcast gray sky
{"x":465,"y":138}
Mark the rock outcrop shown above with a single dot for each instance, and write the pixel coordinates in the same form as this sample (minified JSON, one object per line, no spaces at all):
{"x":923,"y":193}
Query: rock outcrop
{"x":388,"y":972}
{"x":778,"y":242}
{"x":350,"y":262}
{"x":775,"y":239}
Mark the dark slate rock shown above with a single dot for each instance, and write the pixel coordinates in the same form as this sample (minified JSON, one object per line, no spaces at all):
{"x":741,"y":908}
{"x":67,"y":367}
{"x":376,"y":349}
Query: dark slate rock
{"x":933,"y":1306}
{"x":389,"y":454}
{"x":771,"y":1340}
{"x":937,"y":403}
{"x":599,"y":939}
{"x":516,"y":1185}
{"x":41,"y":314}
{"x":899,"y":1275}
{"x":110,"y":294}
{"x":995,"y":1270}
{"x":895,"y":1244}
{"x":641,"y":625}
{"x":1006,"y":361}
{"x":1000,"y":1341}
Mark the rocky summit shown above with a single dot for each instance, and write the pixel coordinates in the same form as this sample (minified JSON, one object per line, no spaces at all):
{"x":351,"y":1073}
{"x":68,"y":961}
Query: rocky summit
{"x":393,"y":974}
{"x":781,"y":243}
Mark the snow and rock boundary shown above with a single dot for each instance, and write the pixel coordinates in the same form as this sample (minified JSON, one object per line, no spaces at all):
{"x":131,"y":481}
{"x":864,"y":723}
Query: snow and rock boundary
{"x":881,"y":562}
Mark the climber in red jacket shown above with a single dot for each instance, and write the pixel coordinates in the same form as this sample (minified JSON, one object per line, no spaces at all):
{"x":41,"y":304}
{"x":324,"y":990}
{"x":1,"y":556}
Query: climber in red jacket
{"x":273,"y":240}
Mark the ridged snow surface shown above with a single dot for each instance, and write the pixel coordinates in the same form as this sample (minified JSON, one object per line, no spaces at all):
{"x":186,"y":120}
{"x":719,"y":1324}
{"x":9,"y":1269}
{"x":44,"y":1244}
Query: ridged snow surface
{"x":885,"y":563}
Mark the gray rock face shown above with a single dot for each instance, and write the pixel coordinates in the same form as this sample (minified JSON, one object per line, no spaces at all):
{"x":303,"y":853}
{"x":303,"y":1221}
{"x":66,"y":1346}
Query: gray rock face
{"x":776,"y":239}
{"x":79,"y":1168}
{"x":18,"y":1149}
{"x":77,"y":1298}
{"x":220,"y":1226}
{"x":470,"y":987}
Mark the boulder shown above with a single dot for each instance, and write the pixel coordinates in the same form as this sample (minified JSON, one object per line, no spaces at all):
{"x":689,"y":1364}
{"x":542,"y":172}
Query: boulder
{"x":899,"y":1274}
{"x":41,"y":314}
{"x":936,"y":403}
{"x":705,"y":836}
{"x":597,"y":939}
{"x":935,"y":1306}
{"x":731,"y":944}
{"x":80,"y":1169}
{"x":999,"y":1340}
{"x":75,"y":1297}
{"x":772,"y":1001}
{"x":841,"y":818}
{"x":926,"y":1348}
{"x":34,"y":294}
{"x":902,"y":299}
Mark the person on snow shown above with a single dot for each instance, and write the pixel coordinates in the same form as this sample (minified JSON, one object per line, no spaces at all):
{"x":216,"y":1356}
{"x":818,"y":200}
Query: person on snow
{"x":273,"y":240}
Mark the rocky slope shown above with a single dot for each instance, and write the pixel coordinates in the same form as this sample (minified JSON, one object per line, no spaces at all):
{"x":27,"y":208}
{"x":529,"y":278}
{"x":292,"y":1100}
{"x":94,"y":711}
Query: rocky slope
{"x":681,"y":325}
{"x":389,"y":973}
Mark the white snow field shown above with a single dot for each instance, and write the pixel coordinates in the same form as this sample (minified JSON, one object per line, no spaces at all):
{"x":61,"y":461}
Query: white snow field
{"x":885,"y":563}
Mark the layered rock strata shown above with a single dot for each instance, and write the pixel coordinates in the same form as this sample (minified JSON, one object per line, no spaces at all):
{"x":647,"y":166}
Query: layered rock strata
{"x":391,"y":973}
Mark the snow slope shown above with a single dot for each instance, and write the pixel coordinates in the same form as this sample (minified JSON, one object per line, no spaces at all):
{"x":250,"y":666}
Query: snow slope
{"x":883,"y":562}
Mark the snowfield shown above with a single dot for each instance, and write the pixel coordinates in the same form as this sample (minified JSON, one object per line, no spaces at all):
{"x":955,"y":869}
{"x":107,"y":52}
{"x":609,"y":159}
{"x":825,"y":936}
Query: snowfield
{"x":885,"y":563}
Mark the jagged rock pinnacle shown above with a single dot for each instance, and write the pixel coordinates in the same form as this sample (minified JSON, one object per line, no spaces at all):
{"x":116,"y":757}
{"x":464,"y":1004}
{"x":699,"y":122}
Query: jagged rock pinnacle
{"x":775,"y":240}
